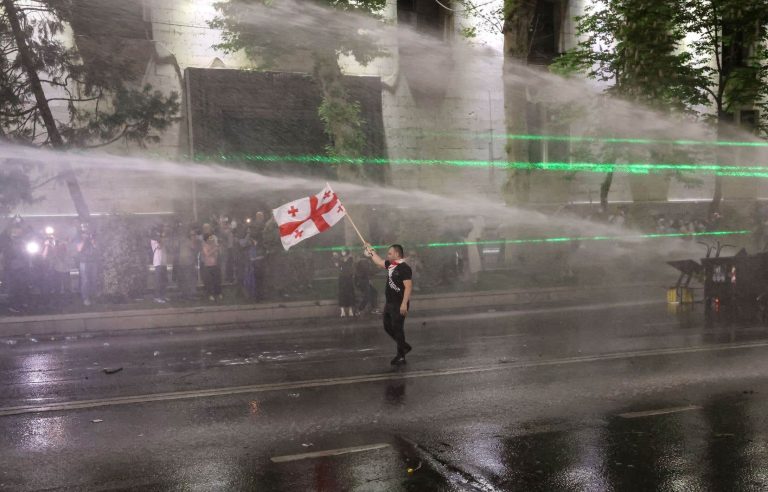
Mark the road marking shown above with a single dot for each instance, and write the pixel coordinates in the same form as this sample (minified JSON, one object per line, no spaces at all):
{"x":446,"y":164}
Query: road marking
{"x":388,"y":376}
{"x":663,"y":323}
{"x":493,"y":337}
{"x":663,"y":411}
{"x":328,"y":452}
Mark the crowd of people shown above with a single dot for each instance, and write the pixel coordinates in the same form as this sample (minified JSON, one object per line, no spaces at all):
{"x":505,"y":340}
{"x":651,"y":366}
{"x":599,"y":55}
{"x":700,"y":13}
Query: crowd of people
{"x":51,"y":269}
{"x":184,"y":262}
{"x":37,"y":267}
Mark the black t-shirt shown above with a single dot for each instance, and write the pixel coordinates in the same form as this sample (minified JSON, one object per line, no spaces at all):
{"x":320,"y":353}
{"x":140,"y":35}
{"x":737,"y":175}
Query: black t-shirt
{"x":396,"y":278}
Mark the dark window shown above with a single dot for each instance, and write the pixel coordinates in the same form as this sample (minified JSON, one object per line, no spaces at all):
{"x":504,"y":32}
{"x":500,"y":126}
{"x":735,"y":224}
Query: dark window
{"x":425,"y":16}
{"x":545,"y":32}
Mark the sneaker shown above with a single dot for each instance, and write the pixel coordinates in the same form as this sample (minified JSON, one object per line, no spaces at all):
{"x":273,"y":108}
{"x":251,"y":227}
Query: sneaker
{"x":408,"y":348}
{"x":211,"y":298}
{"x":87,"y":302}
{"x":160,"y":301}
{"x":398,"y":360}
{"x":221,"y":297}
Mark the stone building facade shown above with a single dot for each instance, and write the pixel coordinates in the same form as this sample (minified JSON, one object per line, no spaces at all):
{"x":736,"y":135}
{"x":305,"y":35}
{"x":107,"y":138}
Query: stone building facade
{"x":447,"y":105}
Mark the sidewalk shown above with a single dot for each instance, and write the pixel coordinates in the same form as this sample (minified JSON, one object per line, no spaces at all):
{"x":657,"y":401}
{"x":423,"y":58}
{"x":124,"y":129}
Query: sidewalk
{"x":301,"y":310}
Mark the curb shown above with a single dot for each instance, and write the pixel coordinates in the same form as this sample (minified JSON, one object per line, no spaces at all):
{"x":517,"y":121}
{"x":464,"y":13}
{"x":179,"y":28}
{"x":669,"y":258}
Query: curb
{"x":283,"y":312}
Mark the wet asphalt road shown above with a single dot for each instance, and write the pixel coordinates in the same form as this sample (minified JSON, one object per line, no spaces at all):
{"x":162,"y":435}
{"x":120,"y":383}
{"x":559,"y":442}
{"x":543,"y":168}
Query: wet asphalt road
{"x":617,"y":396}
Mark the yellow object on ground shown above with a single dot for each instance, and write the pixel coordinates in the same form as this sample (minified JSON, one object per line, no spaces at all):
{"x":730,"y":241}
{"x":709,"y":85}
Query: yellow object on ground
{"x":680,"y":295}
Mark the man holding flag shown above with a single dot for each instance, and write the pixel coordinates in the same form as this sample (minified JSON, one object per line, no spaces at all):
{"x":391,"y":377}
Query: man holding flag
{"x":398,"y":296}
{"x":309,"y":216}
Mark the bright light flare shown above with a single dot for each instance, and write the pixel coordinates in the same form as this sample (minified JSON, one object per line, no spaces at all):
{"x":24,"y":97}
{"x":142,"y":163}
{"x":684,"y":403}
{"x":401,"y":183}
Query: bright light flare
{"x":33,"y":247}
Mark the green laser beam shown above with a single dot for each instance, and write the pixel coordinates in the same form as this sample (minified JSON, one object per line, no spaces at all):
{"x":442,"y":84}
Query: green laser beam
{"x":592,"y":167}
{"x":611,"y":140}
{"x":545,"y":240}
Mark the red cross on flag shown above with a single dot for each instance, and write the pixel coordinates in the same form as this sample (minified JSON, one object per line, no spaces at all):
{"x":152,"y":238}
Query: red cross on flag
{"x":309,"y":216}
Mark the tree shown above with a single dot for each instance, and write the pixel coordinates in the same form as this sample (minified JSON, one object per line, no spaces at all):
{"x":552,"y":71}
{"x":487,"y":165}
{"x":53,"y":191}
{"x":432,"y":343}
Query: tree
{"x":38,"y":68}
{"x":634,"y":46}
{"x":123,"y":251}
{"x":638,"y":48}
{"x":730,"y":60}
{"x":265,"y":31}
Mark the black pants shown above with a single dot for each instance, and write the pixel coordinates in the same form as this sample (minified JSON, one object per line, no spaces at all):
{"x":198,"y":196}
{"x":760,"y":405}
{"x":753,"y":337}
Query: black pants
{"x":186,"y":277}
{"x":394,"y":325}
{"x":212,"y":280}
{"x":161,"y":281}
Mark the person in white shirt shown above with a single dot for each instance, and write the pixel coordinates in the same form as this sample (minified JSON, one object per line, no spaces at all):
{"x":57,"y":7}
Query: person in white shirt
{"x":160,"y":260}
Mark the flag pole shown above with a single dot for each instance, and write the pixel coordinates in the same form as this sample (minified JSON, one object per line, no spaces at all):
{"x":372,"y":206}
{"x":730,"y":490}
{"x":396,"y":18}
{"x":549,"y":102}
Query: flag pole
{"x":346,"y":214}
{"x":355,"y":227}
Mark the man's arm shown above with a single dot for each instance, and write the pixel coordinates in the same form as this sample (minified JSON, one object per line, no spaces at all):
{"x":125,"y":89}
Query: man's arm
{"x":406,"y":296}
{"x":375,"y":258}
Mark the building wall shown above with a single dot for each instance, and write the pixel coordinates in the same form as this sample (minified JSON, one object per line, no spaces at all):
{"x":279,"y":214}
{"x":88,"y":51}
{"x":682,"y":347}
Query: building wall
{"x":472,"y":106}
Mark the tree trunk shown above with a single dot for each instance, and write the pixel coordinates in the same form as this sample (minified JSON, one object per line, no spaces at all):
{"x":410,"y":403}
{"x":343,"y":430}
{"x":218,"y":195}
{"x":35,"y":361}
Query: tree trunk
{"x":518,"y":16}
{"x":605,"y":187}
{"x":717,"y":196}
{"x":27,"y":61}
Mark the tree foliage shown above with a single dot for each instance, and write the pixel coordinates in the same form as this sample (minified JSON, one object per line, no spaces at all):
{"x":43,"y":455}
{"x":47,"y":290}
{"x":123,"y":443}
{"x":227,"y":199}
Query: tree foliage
{"x":39,"y":72}
{"x":707,"y":58}
{"x":681,"y":53}
{"x":634,"y":46}
{"x":101,"y":105}
{"x":730,"y":54}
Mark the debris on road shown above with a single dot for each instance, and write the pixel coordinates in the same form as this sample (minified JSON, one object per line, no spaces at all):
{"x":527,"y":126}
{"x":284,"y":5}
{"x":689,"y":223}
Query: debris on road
{"x":112,"y":370}
{"x":412,"y":470}
{"x":97,"y":421}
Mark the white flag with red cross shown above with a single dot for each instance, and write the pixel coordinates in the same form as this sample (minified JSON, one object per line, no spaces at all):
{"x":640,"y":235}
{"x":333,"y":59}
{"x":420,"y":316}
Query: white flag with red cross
{"x":309,"y":216}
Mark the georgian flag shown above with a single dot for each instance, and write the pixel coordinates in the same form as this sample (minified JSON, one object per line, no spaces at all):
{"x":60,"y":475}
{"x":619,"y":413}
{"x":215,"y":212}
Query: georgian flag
{"x":307,"y":217}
